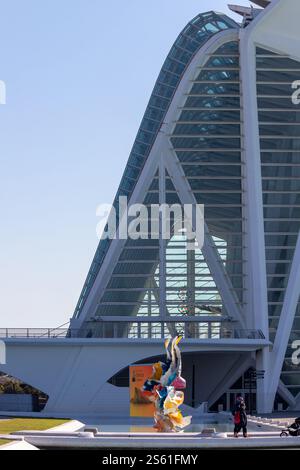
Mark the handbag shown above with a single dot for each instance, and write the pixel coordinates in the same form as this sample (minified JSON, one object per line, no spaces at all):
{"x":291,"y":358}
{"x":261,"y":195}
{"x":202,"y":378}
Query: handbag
{"x":237,"y":417}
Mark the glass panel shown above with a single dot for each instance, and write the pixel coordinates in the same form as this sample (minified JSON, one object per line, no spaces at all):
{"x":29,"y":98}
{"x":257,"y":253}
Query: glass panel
{"x":279,"y":117}
{"x":231,"y":171}
{"x":222,"y":88}
{"x":210,"y":184}
{"x":213,"y":102}
{"x":223,"y":62}
{"x":209,"y":115}
{"x":288,"y":77}
{"x":196,"y":157}
{"x":277,"y":63}
{"x":276,"y":103}
{"x":277,"y":131}
{"x":207,"y":129}
{"x":219,"y":75}
{"x":211,"y":198}
{"x":206,"y":142}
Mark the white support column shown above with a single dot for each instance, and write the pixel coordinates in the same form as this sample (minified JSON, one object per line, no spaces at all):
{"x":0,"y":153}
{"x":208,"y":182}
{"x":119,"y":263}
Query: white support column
{"x":256,"y":277}
{"x":162,"y":241}
{"x":209,"y":250}
{"x":191,"y":274}
{"x":255,"y":250}
{"x":263,"y":402}
{"x":286,"y":321}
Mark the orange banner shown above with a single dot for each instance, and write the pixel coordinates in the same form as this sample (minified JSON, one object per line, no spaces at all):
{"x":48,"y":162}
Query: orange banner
{"x":140,"y":405}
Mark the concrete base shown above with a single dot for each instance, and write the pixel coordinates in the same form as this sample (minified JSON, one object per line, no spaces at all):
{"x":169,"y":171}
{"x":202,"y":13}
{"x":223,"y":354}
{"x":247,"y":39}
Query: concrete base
{"x":74,"y":372}
{"x":156,"y":441}
{"x":72,"y":436}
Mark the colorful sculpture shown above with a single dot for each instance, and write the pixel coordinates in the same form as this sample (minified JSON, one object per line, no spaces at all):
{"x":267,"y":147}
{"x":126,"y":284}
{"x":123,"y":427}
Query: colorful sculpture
{"x":165,"y":387}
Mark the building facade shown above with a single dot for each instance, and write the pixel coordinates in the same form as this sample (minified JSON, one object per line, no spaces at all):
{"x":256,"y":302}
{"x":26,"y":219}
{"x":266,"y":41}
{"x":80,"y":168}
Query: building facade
{"x":222,"y":129}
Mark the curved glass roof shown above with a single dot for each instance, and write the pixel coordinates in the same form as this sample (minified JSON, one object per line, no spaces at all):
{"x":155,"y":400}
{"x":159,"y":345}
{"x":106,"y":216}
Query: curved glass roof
{"x":190,"y":40}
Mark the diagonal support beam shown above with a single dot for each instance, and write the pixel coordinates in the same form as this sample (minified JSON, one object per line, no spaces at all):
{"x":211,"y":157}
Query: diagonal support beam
{"x":286,"y":395}
{"x":240,"y":366}
{"x":209,"y":250}
{"x":162,"y":242}
{"x":261,"y":3}
{"x":117,"y":245}
{"x":296,"y":406}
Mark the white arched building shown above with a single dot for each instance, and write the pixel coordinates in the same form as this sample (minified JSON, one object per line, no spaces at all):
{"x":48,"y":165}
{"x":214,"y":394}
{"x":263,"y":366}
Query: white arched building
{"x":222,"y":129}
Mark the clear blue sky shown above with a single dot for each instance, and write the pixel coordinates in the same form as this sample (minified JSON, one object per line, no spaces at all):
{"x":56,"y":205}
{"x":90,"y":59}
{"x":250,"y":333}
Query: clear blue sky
{"x":78,"y":74}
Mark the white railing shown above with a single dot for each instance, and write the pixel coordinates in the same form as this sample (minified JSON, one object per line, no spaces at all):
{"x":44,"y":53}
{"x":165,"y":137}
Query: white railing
{"x":138,"y":330}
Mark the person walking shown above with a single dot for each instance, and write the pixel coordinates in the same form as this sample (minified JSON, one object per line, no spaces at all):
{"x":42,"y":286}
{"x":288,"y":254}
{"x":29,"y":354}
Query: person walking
{"x":240,"y":417}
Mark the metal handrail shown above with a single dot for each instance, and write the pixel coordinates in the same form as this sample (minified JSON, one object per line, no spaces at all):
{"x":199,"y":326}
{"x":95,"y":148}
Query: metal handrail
{"x":149,"y":329}
{"x":49,"y":330}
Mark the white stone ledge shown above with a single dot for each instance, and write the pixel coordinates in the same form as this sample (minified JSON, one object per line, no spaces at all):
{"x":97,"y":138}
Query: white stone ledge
{"x":161,"y":442}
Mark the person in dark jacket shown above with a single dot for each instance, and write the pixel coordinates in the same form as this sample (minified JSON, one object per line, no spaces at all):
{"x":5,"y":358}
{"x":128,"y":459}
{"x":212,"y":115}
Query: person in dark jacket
{"x":240,"y":417}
